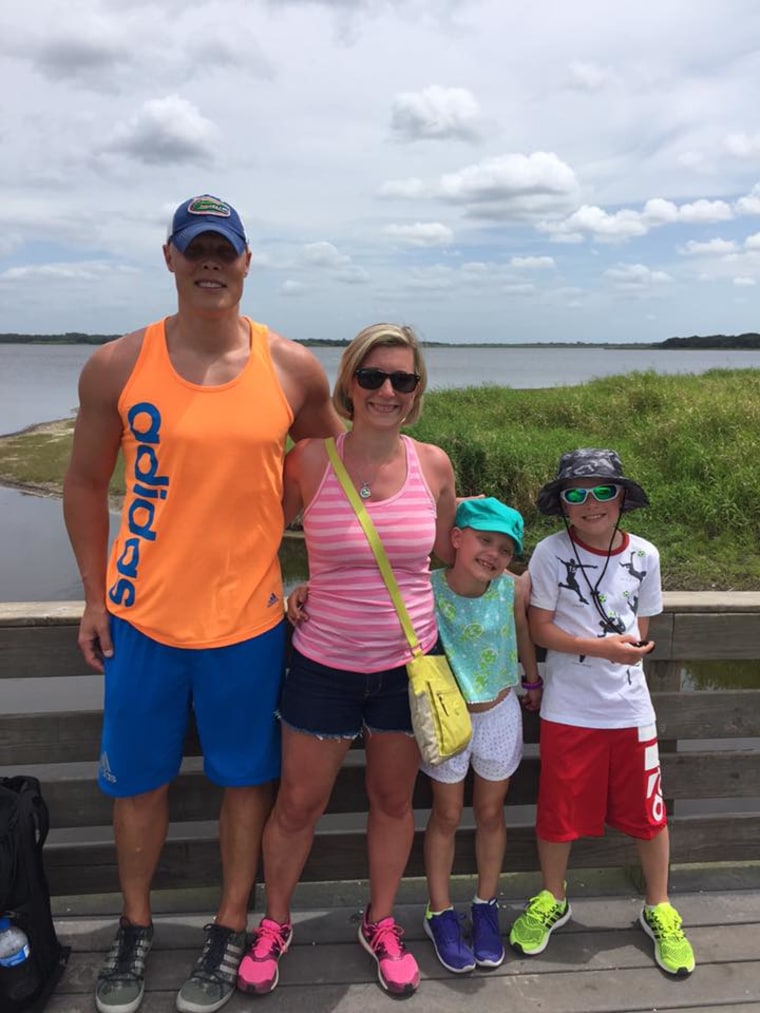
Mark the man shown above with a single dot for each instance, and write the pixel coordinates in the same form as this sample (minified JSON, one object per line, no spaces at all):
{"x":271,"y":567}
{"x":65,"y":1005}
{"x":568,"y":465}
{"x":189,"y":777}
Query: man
{"x":188,"y":609}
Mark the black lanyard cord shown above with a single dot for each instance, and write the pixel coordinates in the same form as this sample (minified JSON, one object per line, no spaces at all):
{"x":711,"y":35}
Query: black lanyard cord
{"x":609,"y":624}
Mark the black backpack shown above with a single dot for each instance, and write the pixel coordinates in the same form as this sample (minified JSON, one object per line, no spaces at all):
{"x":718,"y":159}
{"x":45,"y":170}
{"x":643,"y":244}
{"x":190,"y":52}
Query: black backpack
{"x":24,"y":893}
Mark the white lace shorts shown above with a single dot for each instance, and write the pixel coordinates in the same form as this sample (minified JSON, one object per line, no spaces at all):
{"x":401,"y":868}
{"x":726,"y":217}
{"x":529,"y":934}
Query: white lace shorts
{"x":495,"y":749}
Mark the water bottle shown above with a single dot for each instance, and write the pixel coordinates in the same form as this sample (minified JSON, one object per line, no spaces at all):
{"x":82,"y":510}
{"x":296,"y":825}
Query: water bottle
{"x":18,"y":979}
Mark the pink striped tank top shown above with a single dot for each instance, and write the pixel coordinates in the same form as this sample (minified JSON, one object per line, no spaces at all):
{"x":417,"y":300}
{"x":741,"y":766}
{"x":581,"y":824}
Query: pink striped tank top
{"x":352,"y":622}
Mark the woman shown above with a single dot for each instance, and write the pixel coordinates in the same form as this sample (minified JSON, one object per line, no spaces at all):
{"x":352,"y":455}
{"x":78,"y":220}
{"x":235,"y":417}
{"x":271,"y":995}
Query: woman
{"x":348,"y":675}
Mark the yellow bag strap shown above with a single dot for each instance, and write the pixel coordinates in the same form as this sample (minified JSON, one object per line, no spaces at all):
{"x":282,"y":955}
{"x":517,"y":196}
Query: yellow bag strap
{"x":374,"y":543}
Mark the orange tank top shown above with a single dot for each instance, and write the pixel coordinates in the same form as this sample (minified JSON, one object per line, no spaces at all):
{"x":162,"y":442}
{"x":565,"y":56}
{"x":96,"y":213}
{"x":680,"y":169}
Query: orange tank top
{"x":195,"y":561}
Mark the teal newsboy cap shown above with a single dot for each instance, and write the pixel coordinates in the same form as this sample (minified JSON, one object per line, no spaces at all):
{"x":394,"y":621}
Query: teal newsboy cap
{"x":490,"y":514}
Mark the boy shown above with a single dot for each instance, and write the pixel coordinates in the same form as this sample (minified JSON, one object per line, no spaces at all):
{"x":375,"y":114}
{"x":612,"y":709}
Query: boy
{"x":482,"y":623}
{"x":594,"y":588}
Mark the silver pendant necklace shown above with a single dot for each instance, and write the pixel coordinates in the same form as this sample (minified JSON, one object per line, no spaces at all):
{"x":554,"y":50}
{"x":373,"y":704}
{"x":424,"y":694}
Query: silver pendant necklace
{"x":365,"y":492}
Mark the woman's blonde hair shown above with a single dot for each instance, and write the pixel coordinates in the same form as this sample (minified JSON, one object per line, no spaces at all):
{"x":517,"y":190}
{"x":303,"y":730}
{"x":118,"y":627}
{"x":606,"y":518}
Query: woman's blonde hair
{"x":374,"y":336}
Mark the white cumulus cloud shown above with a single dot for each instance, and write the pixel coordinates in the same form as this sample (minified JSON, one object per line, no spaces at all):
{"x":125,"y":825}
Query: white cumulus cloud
{"x":636,"y":278}
{"x":324,"y":254}
{"x":710,"y":247}
{"x":743,"y":145}
{"x":705,"y":211}
{"x":627,"y":223}
{"x":421,"y":234}
{"x":532,"y":263}
{"x":165,"y":131}
{"x":512,"y":186}
{"x":749,"y":204}
{"x":436,"y":113}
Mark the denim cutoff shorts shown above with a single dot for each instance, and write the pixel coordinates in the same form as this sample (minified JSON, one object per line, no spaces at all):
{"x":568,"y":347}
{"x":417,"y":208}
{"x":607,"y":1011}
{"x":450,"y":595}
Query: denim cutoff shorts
{"x":334,"y":703}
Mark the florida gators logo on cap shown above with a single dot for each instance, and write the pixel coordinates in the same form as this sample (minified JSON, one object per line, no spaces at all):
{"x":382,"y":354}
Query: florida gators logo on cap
{"x":208,"y":206}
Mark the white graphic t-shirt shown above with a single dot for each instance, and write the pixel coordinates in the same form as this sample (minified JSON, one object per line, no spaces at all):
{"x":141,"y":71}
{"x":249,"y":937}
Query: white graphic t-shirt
{"x":567,"y":576}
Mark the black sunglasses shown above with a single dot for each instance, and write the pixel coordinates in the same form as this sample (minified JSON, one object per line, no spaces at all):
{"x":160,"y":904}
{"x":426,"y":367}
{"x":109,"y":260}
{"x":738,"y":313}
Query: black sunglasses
{"x":372,"y":379}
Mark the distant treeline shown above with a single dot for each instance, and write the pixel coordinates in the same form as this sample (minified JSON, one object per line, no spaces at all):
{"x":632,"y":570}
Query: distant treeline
{"x":75,"y":338}
{"x":750,"y":340}
{"x":738,"y":341}
{"x":69,"y":338}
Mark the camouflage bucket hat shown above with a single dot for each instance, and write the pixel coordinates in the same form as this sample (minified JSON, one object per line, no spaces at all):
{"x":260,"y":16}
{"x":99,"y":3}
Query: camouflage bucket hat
{"x":589,"y":462}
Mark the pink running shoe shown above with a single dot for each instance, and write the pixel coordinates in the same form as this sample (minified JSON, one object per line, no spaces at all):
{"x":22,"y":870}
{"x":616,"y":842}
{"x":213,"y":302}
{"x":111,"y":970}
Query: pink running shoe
{"x":258,"y":972}
{"x":397,"y":969}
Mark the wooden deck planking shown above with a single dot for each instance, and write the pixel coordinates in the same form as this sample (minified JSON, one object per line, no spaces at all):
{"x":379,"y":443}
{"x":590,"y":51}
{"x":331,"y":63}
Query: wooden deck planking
{"x":599,"y":963}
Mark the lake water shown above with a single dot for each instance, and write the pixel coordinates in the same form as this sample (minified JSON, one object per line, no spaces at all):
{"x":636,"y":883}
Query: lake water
{"x":39,"y":383}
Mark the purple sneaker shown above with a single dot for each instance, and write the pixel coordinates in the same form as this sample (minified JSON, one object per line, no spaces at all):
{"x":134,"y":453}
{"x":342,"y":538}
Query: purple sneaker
{"x":486,"y":937}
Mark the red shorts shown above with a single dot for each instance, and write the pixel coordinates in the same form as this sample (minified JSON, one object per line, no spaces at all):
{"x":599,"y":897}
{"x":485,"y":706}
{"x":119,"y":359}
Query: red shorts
{"x":596,"y":776}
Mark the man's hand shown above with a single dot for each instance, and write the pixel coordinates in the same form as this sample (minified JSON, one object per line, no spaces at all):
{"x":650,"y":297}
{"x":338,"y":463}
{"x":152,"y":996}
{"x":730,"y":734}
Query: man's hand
{"x":95,"y":636}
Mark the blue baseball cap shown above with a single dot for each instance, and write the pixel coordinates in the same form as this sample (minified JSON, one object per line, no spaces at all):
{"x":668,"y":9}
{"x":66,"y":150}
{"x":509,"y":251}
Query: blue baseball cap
{"x":490,"y":514}
{"x":206,"y":214}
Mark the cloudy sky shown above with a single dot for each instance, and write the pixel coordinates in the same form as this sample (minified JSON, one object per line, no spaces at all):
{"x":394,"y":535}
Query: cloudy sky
{"x":486,"y":170}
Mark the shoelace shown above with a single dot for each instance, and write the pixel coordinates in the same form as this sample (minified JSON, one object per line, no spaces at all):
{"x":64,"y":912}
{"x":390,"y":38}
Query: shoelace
{"x":450,"y":925}
{"x":125,"y":957}
{"x":667,"y":924}
{"x":386,"y":939}
{"x":541,"y":909}
{"x":488,"y":913}
{"x":209,"y":964}
{"x":269,"y":941}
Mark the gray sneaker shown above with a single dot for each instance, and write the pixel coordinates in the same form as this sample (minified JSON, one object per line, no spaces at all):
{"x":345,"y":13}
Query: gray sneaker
{"x":121,"y":981}
{"x":212,"y":981}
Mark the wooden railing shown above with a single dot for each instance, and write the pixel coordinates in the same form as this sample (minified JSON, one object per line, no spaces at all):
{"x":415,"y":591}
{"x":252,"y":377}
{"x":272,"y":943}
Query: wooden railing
{"x":38,"y":641}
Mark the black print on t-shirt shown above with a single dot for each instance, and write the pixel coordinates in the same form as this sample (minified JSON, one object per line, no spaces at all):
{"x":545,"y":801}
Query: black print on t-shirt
{"x":572,"y":566}
{"x":638,"y":574}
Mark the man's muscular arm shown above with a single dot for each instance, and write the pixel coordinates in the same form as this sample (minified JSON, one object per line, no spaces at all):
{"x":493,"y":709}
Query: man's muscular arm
{"x":97,"y":436}
{"x":305,"y":385}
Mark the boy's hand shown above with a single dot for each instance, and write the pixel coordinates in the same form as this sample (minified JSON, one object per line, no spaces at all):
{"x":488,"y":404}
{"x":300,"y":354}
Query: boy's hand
{"x":624,"y":649}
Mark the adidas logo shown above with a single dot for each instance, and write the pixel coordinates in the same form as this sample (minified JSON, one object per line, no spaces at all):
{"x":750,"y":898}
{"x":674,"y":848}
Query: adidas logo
{"x":105,"y":769}
{"x":273,"y":599}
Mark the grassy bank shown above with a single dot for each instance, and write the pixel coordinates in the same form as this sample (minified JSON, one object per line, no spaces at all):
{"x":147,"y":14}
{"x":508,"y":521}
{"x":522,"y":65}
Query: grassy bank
{"x":692,"y":441}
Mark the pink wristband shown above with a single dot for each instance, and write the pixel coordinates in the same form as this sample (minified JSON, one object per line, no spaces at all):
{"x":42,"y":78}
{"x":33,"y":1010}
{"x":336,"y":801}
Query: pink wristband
{"x":532,"y":685}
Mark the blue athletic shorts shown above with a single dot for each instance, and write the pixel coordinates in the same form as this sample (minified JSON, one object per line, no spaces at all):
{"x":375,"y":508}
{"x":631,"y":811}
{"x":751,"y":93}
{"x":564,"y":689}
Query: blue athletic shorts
{"x":331,"y":703}
{"x":149,"y":691}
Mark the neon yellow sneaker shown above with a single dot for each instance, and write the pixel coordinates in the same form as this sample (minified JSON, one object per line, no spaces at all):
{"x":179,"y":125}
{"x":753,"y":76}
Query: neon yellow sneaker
{"x":542,"y":915}
{"x":672,"y":950}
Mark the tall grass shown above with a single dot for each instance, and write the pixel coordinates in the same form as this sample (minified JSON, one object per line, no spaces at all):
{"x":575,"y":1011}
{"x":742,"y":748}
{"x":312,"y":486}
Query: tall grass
{"x":693,"y":442}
